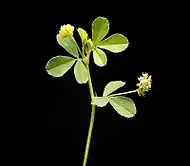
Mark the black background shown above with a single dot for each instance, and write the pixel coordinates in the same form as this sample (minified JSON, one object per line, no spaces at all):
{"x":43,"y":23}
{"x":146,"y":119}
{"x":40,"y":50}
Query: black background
{"x":61,"y":109}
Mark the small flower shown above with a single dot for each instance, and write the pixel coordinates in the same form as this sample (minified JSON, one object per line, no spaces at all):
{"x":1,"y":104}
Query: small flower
{"x":66,"y":30}
{"x":145,"y":84}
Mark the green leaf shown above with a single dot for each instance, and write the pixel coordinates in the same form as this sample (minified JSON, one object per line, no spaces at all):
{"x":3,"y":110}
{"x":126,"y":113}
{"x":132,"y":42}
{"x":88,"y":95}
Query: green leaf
{"x":112,"y":86}
{"x":59,"y":65}
{"x":99,"y":57}
{"x":115,"y":43}
{"x":69,"y":44}
{"x":100,"y":28}
{"x":101,"y":101}
{"x":81,"y":73}
{"x":83,"y":35}
{"x":124,"y":106}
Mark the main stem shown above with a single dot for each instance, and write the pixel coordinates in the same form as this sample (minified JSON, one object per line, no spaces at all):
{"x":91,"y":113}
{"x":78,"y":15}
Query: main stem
{"x":91,"y":119}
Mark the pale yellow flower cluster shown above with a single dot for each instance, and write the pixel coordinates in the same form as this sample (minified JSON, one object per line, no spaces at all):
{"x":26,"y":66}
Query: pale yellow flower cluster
{"x":66,"y":30}
{"x":145,"y":84}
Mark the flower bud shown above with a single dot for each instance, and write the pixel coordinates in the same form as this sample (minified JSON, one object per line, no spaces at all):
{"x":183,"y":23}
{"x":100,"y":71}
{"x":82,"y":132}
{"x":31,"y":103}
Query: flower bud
{"x":89,"y":43}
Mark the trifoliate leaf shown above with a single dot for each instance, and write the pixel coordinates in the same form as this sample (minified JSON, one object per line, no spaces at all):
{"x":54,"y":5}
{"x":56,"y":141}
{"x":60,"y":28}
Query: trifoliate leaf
{"x":99,"y":57}
{"x":112,"y":86}
{"x":69,"y":44}
{"x":115,"y":43}
{"x":81,"y":73}
{"x":59,"y":65}
{"x":83,"y":35}
{"x":100,"y":28}
{"x":124,"y":106}
{"x":101,"y":101}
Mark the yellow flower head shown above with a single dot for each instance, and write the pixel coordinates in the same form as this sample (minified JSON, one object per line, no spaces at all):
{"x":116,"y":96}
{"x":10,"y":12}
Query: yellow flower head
{"x":66,"y":30}
{"x":145,"y":84}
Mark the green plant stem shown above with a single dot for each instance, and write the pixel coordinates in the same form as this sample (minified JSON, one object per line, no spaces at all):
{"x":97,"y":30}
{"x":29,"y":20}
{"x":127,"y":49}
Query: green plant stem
{"x":80,"y":51}
{"x":90,"y":84}
{"x":89,"y":135}
{"x":91,"y":119}
{"x":123,"y":93}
